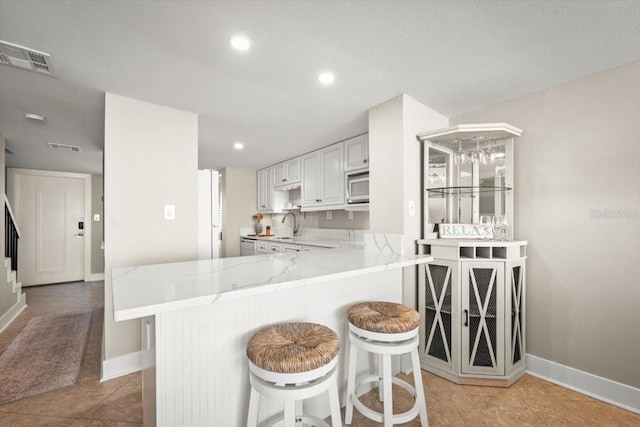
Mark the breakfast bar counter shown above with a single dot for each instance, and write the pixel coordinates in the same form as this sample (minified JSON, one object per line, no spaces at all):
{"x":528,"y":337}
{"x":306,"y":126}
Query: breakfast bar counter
{"x":198,"y":317}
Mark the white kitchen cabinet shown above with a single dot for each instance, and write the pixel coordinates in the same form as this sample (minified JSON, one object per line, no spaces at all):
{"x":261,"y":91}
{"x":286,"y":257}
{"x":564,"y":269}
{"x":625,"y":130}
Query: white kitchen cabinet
{"x":471,"y":302}
{"x":278,"y":247}
{"x":265,"y":190}
{"x":356,"y":153}
{"x":323,"y":177}
{"x":287,"y":173}
{"x":262,"y":247}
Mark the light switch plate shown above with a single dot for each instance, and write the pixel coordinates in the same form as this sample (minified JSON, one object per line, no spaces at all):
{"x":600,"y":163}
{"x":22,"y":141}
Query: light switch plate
{"x":350,"y":214}
{"x":170,"y":212}
{"x":96,"y":217}
{"x":412,"y":208}
{"x":329,"y":214}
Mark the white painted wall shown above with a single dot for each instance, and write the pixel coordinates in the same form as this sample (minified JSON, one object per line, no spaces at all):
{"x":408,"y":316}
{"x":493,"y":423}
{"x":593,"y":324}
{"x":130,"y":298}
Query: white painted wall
{"x":151,"y":159}
{"x":395,"y":172}
{"x":386,"y":182}
{"x":580,"y":151}
{"x":238,"y":192}
{"x":97,"y":229}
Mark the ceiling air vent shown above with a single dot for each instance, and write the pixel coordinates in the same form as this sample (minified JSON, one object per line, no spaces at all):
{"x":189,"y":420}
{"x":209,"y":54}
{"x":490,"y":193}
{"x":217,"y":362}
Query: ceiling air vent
{"x":64,"y":147}
{"x":25,"y":58}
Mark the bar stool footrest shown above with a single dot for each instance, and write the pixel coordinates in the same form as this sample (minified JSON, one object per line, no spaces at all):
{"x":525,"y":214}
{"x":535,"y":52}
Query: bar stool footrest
{"x":376,"y":416}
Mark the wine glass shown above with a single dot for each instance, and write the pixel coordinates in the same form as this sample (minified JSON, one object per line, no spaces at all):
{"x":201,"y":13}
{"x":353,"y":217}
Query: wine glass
{"x":500,"y":222}
{"x":505,"y":227}
{"x":477,"y":155}
{"x":497,"y":225}
{"x":486,"y":221}
{"x":460,"y":156}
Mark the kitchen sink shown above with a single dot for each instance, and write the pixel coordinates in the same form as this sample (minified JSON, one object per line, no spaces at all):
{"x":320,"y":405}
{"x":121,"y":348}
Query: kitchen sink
{"x":285,"y":238}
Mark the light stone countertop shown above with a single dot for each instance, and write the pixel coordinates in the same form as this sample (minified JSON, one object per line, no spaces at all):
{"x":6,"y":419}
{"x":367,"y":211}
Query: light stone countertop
{"x":309,"y":241}
{"x":151,"y":289}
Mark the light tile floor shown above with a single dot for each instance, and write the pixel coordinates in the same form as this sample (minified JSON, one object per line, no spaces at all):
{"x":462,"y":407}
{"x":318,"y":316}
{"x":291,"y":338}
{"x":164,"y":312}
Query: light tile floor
{"x":118,"y":402}
{"x":112,"y":403}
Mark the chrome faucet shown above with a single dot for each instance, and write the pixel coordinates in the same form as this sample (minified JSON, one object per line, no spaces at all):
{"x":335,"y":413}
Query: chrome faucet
{"x":296,"y":226}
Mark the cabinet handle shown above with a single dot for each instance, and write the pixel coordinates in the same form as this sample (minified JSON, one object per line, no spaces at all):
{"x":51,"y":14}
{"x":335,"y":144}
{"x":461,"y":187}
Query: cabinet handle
{"x":318,"y":200}
{"x":364,"y":160}
{"x":466,"y":318}
{"x":284,"y":179}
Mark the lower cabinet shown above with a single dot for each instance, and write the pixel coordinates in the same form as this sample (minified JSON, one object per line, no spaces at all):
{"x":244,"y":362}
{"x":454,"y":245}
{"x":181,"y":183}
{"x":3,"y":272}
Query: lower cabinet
{"x":473,"y":313}
{"x":262,"y":247}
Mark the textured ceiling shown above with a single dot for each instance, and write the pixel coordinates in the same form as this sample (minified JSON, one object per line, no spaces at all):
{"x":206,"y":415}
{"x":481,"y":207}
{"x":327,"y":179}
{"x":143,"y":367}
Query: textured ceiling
{"x":452,"y":56}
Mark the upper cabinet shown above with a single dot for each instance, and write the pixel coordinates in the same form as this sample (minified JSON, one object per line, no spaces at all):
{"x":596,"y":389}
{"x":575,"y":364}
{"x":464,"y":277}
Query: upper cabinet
{"x":314,"y":181}
{"x":265,"y":189}
{"x":287,"y":173}
{"x":468,"y":173}
{"x":323,"y":177}
{"x":356,"y":153}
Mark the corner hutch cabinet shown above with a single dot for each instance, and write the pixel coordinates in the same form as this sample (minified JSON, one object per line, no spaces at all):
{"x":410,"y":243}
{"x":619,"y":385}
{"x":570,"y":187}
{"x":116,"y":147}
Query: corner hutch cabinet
{"x":472,"y":305}
{"x":472,"y":295}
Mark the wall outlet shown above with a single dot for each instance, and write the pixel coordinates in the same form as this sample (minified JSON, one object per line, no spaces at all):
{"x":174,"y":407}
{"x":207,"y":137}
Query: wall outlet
{"x":170,"y":212}
{"x":96,"y":217}
{"x":350,"y":214}
{"x":329,"y":214}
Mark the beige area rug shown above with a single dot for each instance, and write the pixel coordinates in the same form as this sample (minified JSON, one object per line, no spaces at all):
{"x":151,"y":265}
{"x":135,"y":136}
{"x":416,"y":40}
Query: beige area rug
{"x":46,"y":355}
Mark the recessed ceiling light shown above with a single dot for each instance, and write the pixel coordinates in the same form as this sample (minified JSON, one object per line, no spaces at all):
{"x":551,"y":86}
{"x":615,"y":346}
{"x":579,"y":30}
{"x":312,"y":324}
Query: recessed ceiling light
{"x":34,"y":116}
{"x":238,"y":145}
{"x":240,"y":43}
{"x":326,"y":78}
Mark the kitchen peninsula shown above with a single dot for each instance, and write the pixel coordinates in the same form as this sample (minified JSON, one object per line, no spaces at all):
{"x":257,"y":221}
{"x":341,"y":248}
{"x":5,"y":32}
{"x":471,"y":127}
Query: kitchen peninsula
{"x":198,"y":317}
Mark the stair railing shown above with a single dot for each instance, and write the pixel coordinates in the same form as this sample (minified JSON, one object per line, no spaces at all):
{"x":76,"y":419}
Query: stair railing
{"x":11,"y":235}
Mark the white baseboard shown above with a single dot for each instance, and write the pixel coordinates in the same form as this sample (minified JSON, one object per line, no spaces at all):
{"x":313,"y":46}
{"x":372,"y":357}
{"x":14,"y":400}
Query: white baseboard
{"x":13,"y":312}
{"x":95,"y":277}
{"x":609,"y":391}
{"x":121,"y":365}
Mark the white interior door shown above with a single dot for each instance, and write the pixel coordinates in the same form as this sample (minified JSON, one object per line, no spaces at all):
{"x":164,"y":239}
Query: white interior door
{"x":209,"y":214}
{"x":50,"y":214}
{"x":216,"y":215}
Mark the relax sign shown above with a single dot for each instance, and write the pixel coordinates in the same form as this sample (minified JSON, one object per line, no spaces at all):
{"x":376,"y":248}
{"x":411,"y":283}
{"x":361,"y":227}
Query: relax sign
{"x":466,"y":231}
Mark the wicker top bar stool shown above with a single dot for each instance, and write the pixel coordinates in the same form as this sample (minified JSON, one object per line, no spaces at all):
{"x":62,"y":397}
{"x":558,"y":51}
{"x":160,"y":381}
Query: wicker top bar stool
{"x":293,"y":362}
{"x":386,"y":329}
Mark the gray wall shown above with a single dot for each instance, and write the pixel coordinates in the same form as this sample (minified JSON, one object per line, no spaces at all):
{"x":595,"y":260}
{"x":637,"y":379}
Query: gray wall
{"x":150,"y":159}
{"x":580,"y":152}
{"x":238,"y":194}
{"x":97,"y":228}
{"x":340,"y":220}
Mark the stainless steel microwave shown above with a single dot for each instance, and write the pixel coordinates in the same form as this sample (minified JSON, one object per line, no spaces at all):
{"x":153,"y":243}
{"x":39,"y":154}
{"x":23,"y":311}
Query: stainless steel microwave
{"x":358,"y":187}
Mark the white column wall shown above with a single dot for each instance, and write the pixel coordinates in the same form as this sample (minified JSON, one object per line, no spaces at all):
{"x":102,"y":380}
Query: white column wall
{"x":394,"y":170}
{"x":151,"y":159}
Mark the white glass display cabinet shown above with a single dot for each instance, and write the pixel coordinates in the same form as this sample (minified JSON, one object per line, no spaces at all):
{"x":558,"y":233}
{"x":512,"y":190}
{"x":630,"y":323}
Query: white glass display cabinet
{"x":468,"y":173}
{"x":472,"y":295}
